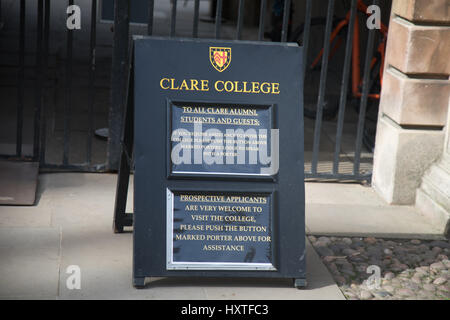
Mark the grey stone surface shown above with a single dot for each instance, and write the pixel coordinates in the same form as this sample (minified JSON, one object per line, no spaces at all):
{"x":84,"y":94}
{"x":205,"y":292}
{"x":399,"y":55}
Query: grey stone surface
{"x":72,"y":226}
{"x":433,"y":196}
{"x":29,"y":262}
{"x":398,"y":277}
{"x":353,"y":210}
{"x":401,"y":158}
{"x":412,"y":101}
{"x":19,"y":182}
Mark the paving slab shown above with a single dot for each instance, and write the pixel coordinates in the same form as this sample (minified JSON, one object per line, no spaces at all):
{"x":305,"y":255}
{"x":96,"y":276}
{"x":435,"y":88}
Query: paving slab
{"x":29,"y":263}
{"x":21,"y":216}
{"x":19,"y":182}
{"x":355,"y":210}
{"x":105,"y":261}
{"x":81,"y":209}
{"x":321,"y":285}
{"x":72,"y":225}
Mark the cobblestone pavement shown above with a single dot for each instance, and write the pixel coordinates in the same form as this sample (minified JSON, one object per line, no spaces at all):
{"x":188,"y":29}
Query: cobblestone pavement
{"x":407,"y":269}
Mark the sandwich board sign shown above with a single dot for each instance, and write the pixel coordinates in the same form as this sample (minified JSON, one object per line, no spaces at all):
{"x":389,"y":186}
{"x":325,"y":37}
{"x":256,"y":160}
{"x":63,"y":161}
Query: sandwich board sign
{"x":216,"y":131}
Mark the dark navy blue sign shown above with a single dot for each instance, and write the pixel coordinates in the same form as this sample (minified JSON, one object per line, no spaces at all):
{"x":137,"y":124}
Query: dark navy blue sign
{"x":220,"y":139}
{"x":196,"y":214}
{"x":219,"y":231}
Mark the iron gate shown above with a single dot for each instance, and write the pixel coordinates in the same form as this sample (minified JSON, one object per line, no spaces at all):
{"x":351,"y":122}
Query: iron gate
{"x":51,"y":76}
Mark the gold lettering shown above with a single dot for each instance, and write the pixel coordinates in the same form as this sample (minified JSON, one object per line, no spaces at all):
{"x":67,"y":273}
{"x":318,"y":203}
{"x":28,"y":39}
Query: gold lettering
{"x":194,"y":84}
{"x":227,"y":87}
{"x":275,"y":88}
{"x":161,"y":83}
{"x":236,"y":84}
{"x":204,"y":85}
{"x":172,"y":85}
{"x":245,"y":88}
{"x":255,"y":87}
{"x":215,"y":86}
{"x":184,"y":85}
{"x":265,"y":87}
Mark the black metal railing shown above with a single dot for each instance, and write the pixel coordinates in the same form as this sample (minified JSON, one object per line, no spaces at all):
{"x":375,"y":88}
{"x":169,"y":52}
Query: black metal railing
{"x":119,"y":71}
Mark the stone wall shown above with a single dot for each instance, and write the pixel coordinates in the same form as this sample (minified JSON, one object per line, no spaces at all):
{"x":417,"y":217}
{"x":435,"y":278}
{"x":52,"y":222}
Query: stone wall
{"x":414,"y":99}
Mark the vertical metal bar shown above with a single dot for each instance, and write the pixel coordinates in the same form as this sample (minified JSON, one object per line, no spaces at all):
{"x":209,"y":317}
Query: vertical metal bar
{"x":286,"y":16}
{"x":262,"y":16}
{"x":218,"y":18}
{"x":38,"y":82}
{"x":364,"y":97}
{"x":196,"y":17}
{"x":91,"y":76}
{"x":173,"y":19}
{"x":125,"y":164}
{"x":151,"y":6}
{"x":21,"y":76}
{"x":68,"y":94}
{"x":323,"y":79}
{"x":344,"y":86}
{"x":44,"y":74}
{"x":240,"y":19}
{"x":306,"y":35}
{"x":119,"y":71}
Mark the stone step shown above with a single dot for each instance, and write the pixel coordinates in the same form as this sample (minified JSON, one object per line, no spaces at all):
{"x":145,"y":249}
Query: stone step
{"x":434,"y":213}
{"x":433,"y":196}
{"x":445,"y":162}
{"x":436,"y":183}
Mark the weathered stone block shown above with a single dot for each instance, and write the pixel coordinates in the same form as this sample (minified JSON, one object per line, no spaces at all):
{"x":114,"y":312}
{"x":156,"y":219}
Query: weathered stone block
{"x":401,"y":158}
{"x":438,"y":216}
{"x":413,"y":101}
{"x":416,"y":49}
{"x":423,"y":10}
{"x":436,"y":183}
{"x":433,"y":196}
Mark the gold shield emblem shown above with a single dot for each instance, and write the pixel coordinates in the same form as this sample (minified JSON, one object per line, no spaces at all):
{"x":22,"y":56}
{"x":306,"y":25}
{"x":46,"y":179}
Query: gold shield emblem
{"x":220,"y":57}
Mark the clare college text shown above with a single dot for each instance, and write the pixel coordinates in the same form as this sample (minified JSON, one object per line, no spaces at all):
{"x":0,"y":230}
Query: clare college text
{"x":220,"y":86}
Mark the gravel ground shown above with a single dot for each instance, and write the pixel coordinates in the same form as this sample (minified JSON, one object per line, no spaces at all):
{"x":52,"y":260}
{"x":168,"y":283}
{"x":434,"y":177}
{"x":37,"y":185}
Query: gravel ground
{"x":407,"y":269}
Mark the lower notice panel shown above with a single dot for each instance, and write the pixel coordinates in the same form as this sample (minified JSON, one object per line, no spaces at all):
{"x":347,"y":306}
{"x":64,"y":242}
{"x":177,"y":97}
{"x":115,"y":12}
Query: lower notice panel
{"x":219,"y":231}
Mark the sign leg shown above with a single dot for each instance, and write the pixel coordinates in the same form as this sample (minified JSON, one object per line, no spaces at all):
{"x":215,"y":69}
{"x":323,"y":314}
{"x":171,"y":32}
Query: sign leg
{"x":300,"y":283}
{"x":139,"y":282}
{"x":121,"y":218}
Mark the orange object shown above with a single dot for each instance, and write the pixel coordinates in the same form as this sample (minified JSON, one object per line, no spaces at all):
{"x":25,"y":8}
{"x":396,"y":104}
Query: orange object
{"x":356,"y":58}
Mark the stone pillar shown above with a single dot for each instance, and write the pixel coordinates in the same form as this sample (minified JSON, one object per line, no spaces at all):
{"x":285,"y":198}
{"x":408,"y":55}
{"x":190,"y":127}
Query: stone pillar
{"x":414,"y":98}
{"x":433,"y":196}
